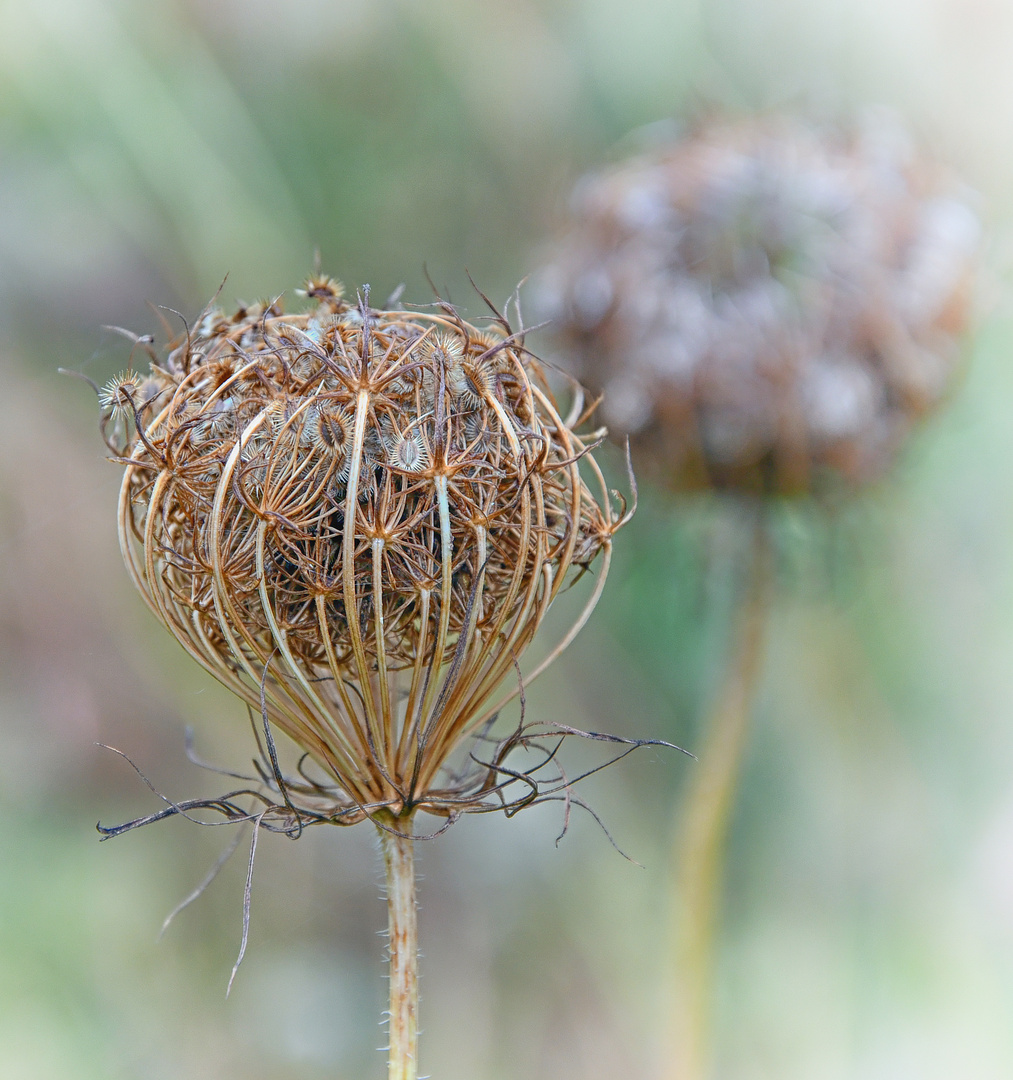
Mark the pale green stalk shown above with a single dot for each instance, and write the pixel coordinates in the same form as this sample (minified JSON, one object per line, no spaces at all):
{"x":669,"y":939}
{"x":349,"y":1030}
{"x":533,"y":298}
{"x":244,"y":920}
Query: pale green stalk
{"x":398,"y":857}
{"x":703,"y":825}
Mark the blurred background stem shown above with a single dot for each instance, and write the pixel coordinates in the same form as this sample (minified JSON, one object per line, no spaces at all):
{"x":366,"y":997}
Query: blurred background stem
{"x":399,"y":862}
{"x":702,"y":824}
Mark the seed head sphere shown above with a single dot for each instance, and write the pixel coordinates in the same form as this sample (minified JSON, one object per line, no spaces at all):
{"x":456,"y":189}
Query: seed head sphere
{"x":765,"y":305}
{"x":356,"y":520}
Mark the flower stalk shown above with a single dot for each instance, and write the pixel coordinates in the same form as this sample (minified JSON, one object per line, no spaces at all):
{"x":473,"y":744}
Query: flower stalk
{"x":703,"y":824}
{"x":397,"y":844}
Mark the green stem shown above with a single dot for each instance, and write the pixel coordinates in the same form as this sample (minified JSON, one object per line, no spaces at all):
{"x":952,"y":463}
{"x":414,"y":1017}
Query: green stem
{"x":703,"y":826}
{"x":398,"y":857}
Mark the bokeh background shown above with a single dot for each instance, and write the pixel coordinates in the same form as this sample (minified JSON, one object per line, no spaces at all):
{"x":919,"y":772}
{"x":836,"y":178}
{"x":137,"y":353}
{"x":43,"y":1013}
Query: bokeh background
{"x":149,"y":148}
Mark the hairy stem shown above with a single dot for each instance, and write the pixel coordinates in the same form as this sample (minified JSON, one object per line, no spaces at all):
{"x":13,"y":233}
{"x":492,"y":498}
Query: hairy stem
{"x":703,"y":825}
{"x":398,"y":856}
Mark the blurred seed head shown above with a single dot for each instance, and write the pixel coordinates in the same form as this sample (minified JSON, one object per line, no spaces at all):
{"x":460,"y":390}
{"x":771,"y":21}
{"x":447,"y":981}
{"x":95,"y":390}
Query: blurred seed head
{"x":357,"y":520}
{"x":327,"y":291}
{"x":765,"y":305}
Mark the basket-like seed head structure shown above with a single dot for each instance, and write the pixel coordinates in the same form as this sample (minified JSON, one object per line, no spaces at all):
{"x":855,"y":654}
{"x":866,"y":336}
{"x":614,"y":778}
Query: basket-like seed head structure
{"x":356,"y":520}
{"x":765,"y":305}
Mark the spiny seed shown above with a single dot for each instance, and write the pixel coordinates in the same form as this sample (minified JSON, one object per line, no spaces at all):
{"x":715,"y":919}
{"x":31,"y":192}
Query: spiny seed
{"x":408,"y":453}
{"x":221,"y":370}
{"x":322,"y":288}
{"x":490,"y":351}
{"x":445,"y":349}
{"x":473,"y":382}
{"x":253,"y":469}
{"x":221,"y":416}
{"x":121,"y":394}
{"x":330,"y":429}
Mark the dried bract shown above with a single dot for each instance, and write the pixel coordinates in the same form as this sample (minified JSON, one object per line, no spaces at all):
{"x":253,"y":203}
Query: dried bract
{"x":357,"y":520}
{"x":764,"y":305}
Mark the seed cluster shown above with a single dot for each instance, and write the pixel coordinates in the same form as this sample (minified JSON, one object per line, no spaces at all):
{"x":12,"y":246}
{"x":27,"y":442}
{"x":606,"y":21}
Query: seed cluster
{"x":765,"y":305}
{"x":356,"y":520}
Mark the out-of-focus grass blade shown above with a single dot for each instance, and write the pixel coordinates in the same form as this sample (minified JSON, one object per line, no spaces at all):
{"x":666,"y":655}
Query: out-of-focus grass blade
{"x":154,"y":134}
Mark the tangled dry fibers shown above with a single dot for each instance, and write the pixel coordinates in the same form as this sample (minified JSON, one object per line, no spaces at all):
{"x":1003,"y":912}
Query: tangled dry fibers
{"x":357,"y":520}
{"x":766,"y":305}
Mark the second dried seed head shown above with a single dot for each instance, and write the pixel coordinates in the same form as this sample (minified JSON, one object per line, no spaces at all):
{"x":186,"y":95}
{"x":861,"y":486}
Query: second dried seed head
{"x":765,"y":304}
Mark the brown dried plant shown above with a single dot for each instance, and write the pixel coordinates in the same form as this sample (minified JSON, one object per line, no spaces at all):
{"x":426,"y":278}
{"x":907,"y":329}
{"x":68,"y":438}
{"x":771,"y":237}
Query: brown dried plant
{"x":768,"y":306}
{"x":357,"y":520}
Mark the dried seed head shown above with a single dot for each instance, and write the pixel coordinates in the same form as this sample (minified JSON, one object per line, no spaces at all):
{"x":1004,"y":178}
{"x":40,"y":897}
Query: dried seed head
{"x":369,"y":566}
{"x":330,"y":429}
{"x":407,"y":453}
{"x":473,"y":382}
{"x":765,"y":305}
{"x":444,"y":348}
{"x":122,"y":394}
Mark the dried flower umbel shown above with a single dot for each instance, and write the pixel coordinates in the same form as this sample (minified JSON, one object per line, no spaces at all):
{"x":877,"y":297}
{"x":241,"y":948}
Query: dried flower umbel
{"x":357,"y":520}
{"x":768,"y":308}
{"x":766,"y":304}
